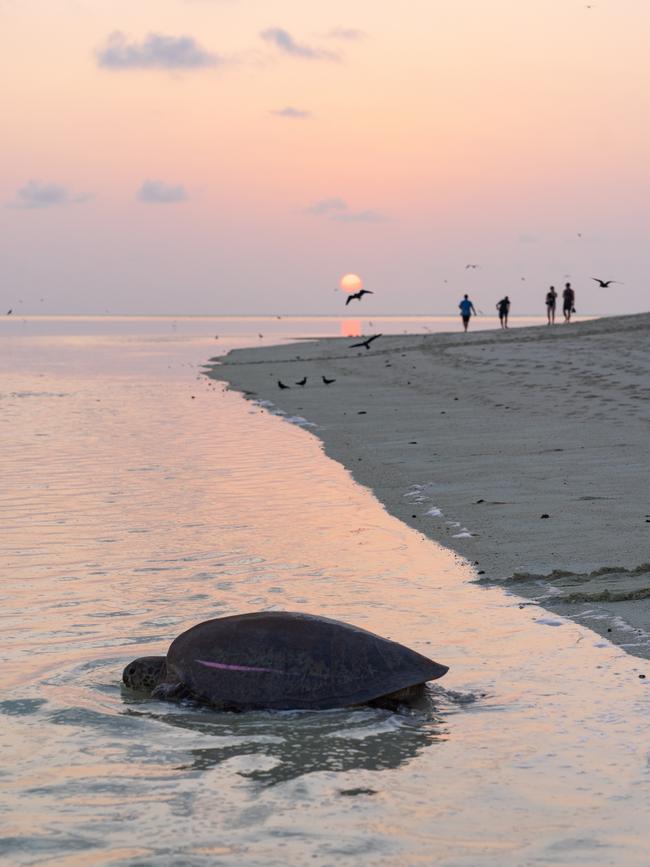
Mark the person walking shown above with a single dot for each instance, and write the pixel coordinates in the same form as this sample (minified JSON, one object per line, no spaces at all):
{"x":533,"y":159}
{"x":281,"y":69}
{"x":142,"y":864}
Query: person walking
{"x":503,"y":308}
{"x":466,"y":310}
{"x":568,"y":302}
{"x":551,"y":299}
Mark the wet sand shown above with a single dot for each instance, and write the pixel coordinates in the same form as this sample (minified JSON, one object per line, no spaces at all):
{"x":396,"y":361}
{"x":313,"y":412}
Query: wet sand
{"x":524,"y":451}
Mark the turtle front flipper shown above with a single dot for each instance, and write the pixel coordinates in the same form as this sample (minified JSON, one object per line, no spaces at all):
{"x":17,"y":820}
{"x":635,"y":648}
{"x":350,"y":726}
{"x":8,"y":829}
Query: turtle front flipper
{"x":171,"y":691}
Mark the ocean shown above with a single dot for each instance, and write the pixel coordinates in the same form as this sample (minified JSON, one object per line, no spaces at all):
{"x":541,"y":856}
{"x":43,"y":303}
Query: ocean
{"x":140,"y":497}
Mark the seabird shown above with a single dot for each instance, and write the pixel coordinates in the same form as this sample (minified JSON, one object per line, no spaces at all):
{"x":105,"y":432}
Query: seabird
{"x":366,"y":342}
{"x":358,"y":295}
{"x":604,"y":283}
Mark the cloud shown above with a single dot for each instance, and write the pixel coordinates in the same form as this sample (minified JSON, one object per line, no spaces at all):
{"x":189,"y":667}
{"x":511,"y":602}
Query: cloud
{"x":286,"y":43}
{"x":367,"y":216}
{"x":290,"y":111}
{"x":159,"y":193}
{"x":36,"y":194}
{"x":350,"y":34}
{"x":155,"y":52}
{"x":338,"y":209}
{"x":327,"y":206}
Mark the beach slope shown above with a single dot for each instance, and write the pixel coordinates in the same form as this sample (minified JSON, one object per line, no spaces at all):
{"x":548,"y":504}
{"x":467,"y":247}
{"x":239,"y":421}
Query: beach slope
{"x":526,"y":451}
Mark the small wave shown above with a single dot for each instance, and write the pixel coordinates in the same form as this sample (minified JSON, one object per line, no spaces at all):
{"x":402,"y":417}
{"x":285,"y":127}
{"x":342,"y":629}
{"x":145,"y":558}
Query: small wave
{"x":300,"y":421}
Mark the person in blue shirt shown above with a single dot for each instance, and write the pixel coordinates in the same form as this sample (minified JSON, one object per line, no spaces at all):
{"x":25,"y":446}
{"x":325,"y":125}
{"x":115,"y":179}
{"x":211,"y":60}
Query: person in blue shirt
{"x":466,"y":310}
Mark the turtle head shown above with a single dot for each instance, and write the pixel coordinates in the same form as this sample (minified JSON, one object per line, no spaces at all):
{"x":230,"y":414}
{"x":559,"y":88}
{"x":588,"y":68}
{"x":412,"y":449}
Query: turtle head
{"x":145,"y":673}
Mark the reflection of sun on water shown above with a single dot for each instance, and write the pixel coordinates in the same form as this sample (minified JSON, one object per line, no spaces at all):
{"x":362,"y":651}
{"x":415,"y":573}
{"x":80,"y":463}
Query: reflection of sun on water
{"x":351,"y":328}
{"x":351,"y":283}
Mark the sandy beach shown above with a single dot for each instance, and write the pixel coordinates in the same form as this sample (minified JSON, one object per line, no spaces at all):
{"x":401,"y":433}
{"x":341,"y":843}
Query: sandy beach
{"x":524,"y":451}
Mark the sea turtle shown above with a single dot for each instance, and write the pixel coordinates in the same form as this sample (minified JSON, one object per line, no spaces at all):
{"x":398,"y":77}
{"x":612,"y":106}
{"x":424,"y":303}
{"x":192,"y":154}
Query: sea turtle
{"x":283,"y":660}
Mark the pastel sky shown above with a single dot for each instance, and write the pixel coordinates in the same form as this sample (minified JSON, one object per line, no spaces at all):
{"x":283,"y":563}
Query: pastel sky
{"x":239,"y":156}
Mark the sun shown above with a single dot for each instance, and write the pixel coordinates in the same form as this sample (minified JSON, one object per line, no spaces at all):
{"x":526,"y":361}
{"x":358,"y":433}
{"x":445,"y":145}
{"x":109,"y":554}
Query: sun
{"x":351,"y":283}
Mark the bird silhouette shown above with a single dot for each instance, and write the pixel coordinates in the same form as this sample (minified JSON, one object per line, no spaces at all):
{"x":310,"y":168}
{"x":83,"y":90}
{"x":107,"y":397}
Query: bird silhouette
{"x":604,"y":283}
{"x":358,"y":295}
{"x":366,"y":342}
{"x":10,"y":311}
{"x":471,"y":266}
{"x":327,"y":381}
{"x":282,"y":385}
{"x":302,"y":381}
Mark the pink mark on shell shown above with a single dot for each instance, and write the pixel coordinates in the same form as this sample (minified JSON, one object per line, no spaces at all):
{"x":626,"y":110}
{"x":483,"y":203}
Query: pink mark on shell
{"x":224,"y":666}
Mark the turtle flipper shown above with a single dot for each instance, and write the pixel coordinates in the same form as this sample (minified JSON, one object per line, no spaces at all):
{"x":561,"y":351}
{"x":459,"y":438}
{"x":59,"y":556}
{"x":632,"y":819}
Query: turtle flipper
{"x":170,"y":691}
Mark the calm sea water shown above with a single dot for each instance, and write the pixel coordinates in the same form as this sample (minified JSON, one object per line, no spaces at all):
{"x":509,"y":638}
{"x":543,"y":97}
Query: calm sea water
{"x":139,"y":498}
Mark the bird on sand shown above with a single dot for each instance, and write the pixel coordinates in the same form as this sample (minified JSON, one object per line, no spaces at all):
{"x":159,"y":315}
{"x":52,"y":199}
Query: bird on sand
{"x":358,"y":295}
{"x":366,"y":343}
{"x":302,"y":381}
{"x":604,"y":283}
{"x":282,"y":385}
{"x":327,"y":381}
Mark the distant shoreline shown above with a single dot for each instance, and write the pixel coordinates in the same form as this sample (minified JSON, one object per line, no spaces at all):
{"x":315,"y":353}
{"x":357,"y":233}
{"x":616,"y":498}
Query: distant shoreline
{"x":353,"y":313}
{"x":487,"y":433}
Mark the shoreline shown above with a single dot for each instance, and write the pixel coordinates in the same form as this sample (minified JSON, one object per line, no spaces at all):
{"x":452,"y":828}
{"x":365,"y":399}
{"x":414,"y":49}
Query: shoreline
{"x":472,"y":438}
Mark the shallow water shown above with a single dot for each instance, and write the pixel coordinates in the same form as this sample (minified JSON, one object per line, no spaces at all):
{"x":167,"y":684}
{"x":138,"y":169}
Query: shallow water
{"x":140,"y":498}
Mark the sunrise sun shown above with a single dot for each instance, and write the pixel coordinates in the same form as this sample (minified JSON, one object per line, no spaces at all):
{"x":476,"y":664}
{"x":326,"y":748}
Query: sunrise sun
{"x":351,"y":283}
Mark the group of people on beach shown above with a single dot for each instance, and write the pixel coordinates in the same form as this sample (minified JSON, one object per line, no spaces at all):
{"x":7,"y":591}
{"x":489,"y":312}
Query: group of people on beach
{"x":503,"y":307}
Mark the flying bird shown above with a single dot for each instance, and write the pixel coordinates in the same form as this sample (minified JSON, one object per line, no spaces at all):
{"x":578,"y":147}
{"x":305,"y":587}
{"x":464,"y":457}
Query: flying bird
{"x":366,"y":342}
{"x":471,"y":266}
{"x":327,"y":381}
{"x":282,"y":385}
{"x":10,"y":311}
{"x":604,"y":283}
{"x":302,"y":381}
{"x":358,"y":295}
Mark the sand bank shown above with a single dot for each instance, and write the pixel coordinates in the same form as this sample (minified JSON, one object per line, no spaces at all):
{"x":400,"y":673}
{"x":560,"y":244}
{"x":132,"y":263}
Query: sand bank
{"x":525,"y":451}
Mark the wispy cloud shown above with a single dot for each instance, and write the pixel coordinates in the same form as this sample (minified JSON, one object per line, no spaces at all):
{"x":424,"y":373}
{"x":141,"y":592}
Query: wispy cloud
{"x":155,"y":52}
{"x":159,"y":193}
{"x":326,"y":207}
{"x":350,"y":34}
{"x":36,"y":194}
{"x":367,"y":216}
{"x":290,"y":111}
{"x":283,"y":40}
{"x":338,"y":209}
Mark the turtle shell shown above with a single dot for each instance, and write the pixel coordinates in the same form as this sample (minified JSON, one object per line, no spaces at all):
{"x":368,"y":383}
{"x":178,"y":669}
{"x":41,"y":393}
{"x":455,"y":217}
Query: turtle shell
{"x":285,"y":660}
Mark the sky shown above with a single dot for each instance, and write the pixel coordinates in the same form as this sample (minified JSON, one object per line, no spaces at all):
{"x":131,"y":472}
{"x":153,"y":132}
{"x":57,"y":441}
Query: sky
{"x":240,"y":156}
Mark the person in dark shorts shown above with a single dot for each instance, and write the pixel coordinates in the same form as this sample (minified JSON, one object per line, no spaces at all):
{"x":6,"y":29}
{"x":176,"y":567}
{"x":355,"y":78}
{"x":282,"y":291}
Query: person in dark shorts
{"x":551,"y":299}
{"x":466,"y":310}
{"x":568,"y":302}
{"x":503,"y":308}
